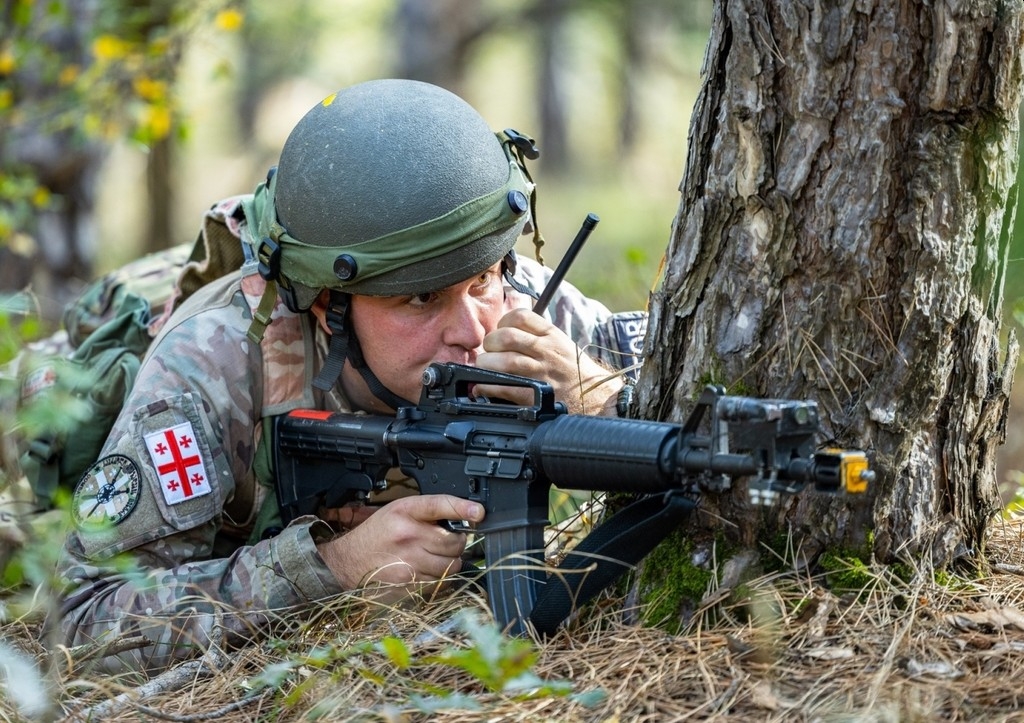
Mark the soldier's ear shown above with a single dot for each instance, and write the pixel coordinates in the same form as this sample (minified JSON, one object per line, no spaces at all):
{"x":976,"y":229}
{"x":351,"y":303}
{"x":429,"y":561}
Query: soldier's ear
{"x":319,"y":309}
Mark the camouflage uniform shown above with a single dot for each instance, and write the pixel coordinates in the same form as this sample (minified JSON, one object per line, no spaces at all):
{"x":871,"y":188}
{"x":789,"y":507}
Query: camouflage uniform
{"x":183,"y":475}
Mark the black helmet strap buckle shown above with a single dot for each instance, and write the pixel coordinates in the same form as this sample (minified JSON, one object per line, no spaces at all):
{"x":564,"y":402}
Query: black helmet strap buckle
{"x":508,"y":271}
{"x":337,"y":353}
{"x":268,"y":254}
{"x":523,"y":143}
{"x":524,"y":147}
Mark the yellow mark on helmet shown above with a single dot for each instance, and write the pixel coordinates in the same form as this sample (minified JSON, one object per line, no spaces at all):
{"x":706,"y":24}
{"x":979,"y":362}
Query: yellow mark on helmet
{"x":329,"y":99}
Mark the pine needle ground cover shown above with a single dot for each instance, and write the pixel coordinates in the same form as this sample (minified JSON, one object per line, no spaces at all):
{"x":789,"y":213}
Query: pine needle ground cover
{"x":906,"y":646}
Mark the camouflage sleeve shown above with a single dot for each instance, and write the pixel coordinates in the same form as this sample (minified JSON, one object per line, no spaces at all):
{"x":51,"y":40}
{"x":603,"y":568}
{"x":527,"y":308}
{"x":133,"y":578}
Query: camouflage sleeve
{"x":614,"y":339}
{"x":142,"y":557}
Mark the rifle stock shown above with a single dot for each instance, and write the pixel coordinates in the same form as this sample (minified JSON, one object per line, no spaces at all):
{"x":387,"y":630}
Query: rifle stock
{"x":507,"y":457}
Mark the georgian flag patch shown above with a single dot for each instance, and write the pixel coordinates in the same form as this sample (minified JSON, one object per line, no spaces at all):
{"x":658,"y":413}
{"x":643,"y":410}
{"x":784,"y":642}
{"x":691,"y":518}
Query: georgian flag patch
{"x":178,"y":463}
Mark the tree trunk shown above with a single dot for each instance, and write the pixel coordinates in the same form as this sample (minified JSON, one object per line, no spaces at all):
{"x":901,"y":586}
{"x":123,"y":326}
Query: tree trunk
{"x":160,"y":194}
{"x":842,"y":236}
{"x":551,"y":68}
{"x":434,"y":39}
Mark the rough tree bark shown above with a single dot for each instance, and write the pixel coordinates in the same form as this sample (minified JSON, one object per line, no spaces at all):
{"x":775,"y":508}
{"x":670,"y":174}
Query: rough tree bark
{"x":842,"y":236}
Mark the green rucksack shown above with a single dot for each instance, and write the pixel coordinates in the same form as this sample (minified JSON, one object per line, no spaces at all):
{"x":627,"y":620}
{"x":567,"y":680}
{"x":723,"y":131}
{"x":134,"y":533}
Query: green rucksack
{"x":94,"y":361}
{"x":99,"y":373}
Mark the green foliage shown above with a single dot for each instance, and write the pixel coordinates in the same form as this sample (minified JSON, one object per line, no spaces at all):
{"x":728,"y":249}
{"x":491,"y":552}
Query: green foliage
{"x":32,"y":565}
{"x":715,"y":375}
{"x":17,"y":327}
{"x":88,"y":79}
{"x":947,"y":579}
{"x":500,"y":663}
{"x":845,"y":573}
{"x":29,"y":563}
{"x":1015,"y":506}
{"x":496,"y":663}
{"x":21,"y":197}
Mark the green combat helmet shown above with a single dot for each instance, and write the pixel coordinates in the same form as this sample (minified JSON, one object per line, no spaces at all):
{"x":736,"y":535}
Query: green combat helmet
{"x":387,"y":188}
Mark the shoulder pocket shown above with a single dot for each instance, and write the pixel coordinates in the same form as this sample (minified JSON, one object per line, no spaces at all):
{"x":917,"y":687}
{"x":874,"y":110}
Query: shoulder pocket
{"x":182,"y":463}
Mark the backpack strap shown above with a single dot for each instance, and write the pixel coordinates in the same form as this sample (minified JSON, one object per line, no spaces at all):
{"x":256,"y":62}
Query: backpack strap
{"x":268,"y":518}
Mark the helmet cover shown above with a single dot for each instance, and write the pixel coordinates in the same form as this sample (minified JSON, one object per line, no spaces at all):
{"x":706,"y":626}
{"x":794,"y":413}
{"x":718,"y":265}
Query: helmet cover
{"x":391,"y":187}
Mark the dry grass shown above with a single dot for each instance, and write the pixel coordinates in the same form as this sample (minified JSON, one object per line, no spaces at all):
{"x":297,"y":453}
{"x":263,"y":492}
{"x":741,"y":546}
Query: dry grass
{"x":787,"y":649}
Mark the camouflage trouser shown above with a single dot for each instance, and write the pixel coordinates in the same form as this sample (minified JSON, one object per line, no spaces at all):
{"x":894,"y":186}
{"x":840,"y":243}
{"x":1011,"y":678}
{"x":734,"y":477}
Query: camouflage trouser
{"x":19,"y":507}
{"x":21,"y":518}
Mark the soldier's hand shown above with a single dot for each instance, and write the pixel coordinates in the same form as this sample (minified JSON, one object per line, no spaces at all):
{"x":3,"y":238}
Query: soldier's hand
{"x":401,"y":546}
{"x":527,"y":344}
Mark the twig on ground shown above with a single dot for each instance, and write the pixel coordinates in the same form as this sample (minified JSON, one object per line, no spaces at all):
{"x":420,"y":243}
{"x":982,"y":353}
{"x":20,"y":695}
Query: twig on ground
{"x":213,"y":661}
{"x":80,"y":654}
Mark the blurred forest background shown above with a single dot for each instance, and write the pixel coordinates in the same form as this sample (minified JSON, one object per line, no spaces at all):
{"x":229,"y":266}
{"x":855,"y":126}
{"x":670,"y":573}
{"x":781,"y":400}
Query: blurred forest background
{"x":136,"y":116}
{"x":121,"y":121}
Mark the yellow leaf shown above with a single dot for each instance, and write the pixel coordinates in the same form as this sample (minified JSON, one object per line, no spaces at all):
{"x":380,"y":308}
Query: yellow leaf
{"x":229,"y":20}
{"x":7,"y":62}
{"x":91,"y":124}
{"x":156,"y":121}
{"x":6,"y":98}
{"x":397,"y":651}
{"x":41,"y":197}
{"x":109,"y":47}
{"x":68,"y":74}
{"x":158,"y":47}
{"x":149,"y":89}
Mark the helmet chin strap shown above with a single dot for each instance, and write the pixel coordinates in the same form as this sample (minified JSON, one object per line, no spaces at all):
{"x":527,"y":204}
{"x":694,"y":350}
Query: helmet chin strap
{"x":345,"y":345}
{"x":508,"y":271}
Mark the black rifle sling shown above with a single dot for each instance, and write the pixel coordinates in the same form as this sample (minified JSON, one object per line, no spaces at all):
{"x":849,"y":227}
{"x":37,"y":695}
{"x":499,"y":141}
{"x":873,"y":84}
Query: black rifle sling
{"x":606,"y":554}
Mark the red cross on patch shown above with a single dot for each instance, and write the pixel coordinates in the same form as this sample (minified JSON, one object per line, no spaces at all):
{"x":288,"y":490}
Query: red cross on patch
{"x":178,"y":463}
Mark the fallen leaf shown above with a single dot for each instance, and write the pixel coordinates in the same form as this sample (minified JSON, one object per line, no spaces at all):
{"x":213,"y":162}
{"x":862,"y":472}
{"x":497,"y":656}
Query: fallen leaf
{"x":937,"y":669}
{"x":996,"y":617}
{"x":831,"y":653}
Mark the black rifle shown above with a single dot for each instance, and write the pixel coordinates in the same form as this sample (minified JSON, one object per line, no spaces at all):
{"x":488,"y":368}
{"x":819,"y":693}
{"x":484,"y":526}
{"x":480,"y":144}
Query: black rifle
{"x":507,"y":457}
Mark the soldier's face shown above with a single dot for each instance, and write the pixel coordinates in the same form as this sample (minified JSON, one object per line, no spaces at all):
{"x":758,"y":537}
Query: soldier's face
{"x":401,"y":335}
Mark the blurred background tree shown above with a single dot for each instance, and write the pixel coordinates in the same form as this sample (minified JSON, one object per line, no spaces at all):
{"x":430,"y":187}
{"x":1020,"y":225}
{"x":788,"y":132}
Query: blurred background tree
{"x":76,"y":77}
{"x":145,"y":113}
